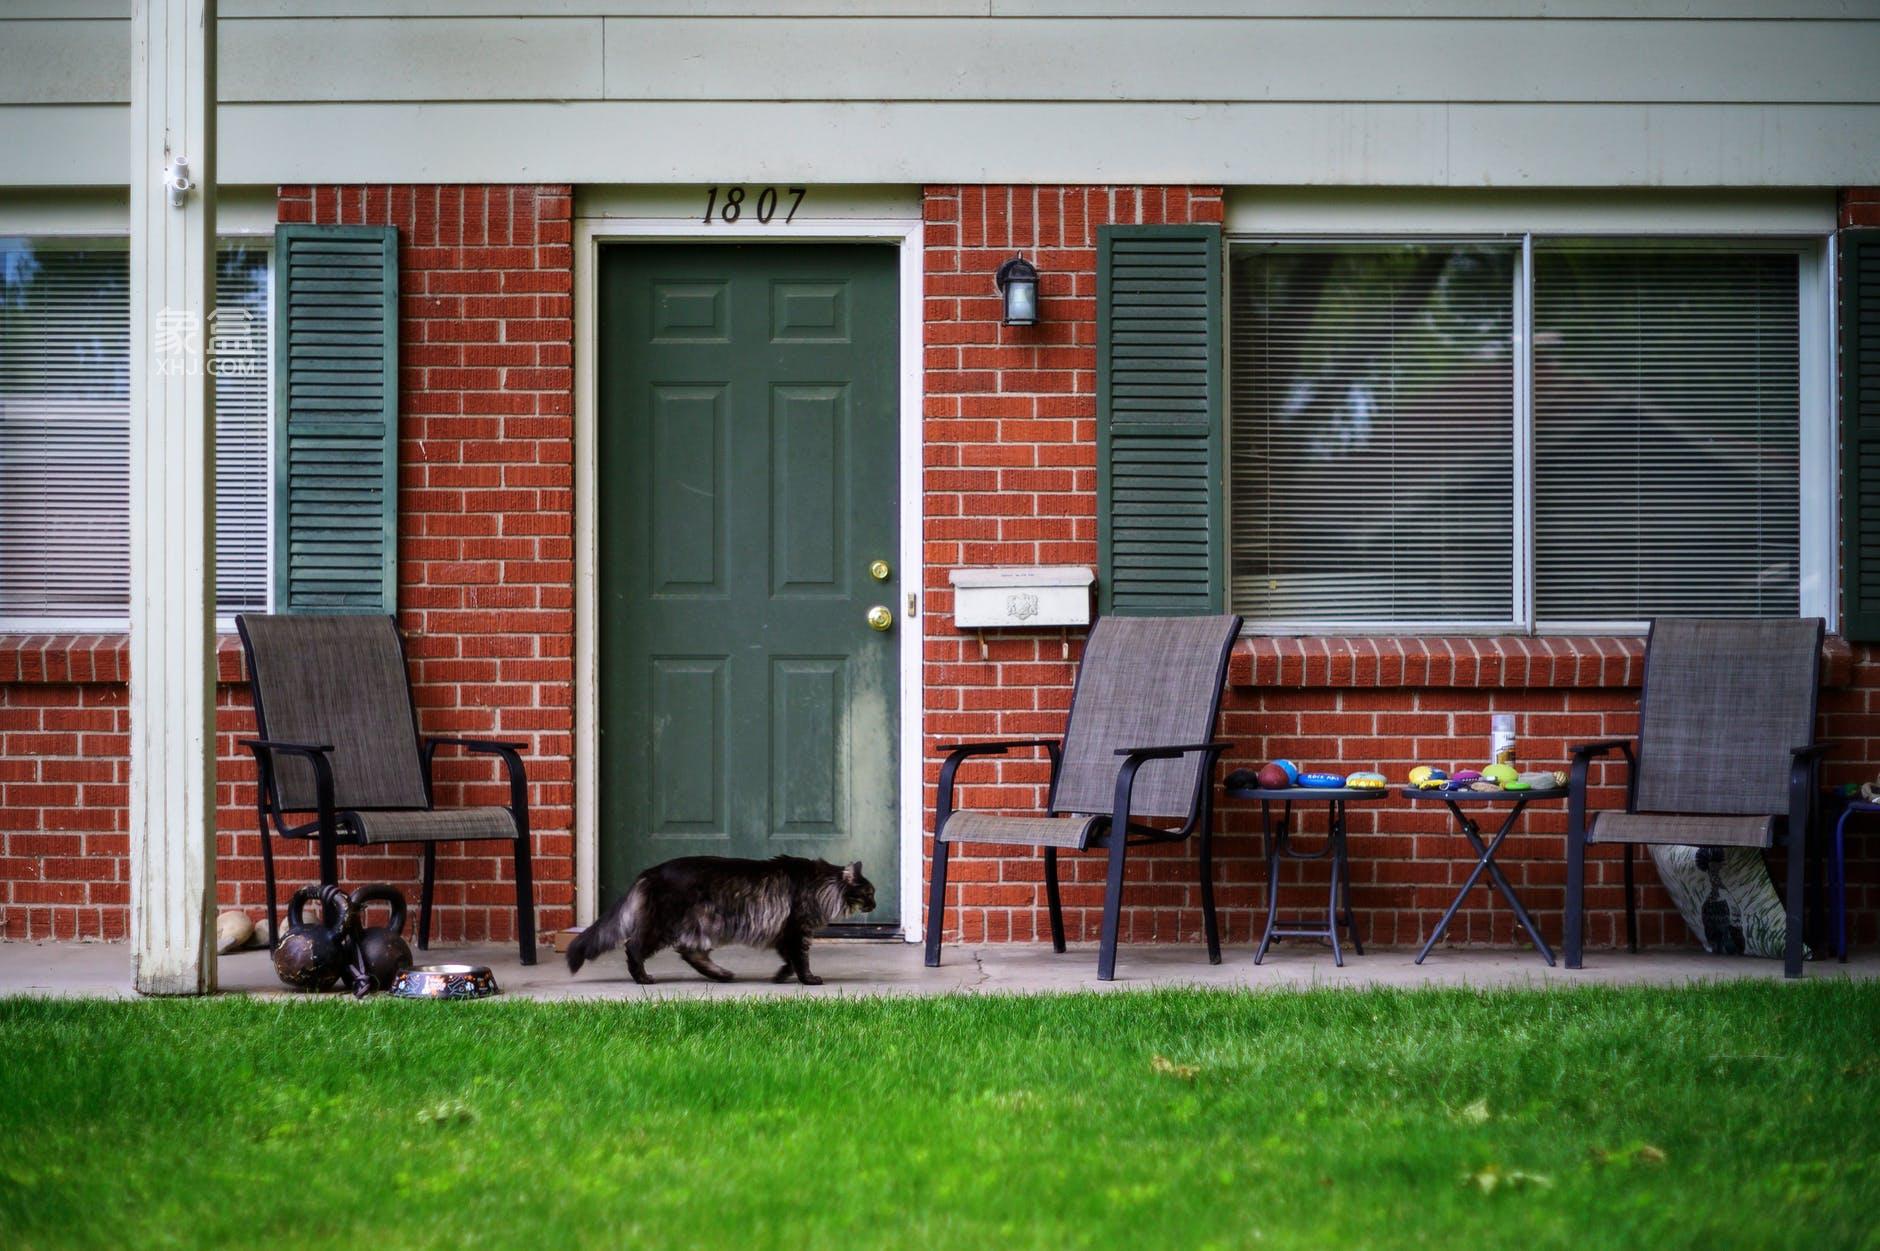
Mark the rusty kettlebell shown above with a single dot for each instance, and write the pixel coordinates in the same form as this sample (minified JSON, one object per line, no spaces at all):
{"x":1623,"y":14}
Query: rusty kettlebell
{"x":379,"y":951}
{"x":312,"y":957}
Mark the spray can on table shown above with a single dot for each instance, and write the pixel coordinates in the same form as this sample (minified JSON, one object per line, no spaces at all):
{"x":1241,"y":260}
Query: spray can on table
{"x":1501,"y":738}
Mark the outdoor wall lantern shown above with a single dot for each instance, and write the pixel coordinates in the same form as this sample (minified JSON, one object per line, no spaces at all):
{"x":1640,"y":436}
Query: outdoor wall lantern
{"x":1017,"y":281}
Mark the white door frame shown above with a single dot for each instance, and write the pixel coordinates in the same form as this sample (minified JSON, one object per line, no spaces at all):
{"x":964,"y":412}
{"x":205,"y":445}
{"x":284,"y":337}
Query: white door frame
{"x":590,"y":234}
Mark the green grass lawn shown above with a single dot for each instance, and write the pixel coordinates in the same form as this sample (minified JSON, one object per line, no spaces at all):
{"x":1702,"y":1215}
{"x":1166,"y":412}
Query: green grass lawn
{"x":1738,"y":1115}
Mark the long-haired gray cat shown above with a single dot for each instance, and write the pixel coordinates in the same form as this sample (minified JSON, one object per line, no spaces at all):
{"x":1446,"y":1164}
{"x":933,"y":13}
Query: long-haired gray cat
{"x":696,"y":903}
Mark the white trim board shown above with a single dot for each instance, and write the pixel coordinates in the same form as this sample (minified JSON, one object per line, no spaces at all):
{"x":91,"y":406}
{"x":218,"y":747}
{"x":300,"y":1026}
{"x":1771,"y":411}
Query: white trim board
{"x":590,"y":233}
{"x":1322,"y":211}
{"x":106,"y":211}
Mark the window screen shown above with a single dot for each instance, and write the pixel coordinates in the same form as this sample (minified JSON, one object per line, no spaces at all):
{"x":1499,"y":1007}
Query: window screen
{"x":1666,"y":433}
{"x":65,"y":433}
{"x":1372,"y":433}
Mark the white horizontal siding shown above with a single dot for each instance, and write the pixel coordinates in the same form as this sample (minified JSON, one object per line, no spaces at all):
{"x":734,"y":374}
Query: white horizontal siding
{"x":1571,"y":10}
{"x":1243,"y":61}
{"x":86,"y":61}
{"x":1265,"y":144}
{"x":406,"y":59}
{"x":1306,"y":92}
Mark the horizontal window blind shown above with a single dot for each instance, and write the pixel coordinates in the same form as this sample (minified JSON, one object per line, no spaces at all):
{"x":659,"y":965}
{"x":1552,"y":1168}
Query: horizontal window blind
{"x":65,"y":432}
{"x":1372,"y":433}
{"x":1666,"y":433}
{"x":239,"y":344}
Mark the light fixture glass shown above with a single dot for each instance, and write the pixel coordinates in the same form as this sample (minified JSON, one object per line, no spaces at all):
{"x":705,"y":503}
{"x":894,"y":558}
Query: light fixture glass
{"x":1017,"y":281}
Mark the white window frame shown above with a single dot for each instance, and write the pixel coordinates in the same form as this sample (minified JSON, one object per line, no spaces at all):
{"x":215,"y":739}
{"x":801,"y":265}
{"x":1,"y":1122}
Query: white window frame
{"x":1818,"y":453}
{"x":80,"y":226}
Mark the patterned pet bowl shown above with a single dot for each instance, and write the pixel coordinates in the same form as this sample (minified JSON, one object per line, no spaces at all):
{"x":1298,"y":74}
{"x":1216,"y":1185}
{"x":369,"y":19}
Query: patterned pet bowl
{"x":445,"y":981}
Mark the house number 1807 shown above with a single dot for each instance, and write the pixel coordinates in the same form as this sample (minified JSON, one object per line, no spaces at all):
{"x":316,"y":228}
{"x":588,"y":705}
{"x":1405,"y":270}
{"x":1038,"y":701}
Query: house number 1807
{"x":735,"y":199}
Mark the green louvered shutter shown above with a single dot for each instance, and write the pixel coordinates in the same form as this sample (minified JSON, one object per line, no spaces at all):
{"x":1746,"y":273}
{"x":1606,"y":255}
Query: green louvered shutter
{"x":336,"y":419}
{"x":1860,"y":433}
{"x":1160,"y":500}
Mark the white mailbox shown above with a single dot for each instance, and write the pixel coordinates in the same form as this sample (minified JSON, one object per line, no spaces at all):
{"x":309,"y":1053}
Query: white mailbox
{"x":1029,"y":597}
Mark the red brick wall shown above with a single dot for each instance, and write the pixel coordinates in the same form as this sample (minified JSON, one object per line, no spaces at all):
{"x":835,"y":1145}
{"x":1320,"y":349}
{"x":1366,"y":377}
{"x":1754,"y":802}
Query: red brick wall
{"x":1011,"y":478}
{"x":486,"y":594}
{"x":1860,"y":206}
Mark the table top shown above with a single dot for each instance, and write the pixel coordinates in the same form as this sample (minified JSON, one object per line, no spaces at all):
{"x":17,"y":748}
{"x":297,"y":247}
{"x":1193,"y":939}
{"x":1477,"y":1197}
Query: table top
{"x":1488,"y":797}
{"x":1295,"y":794}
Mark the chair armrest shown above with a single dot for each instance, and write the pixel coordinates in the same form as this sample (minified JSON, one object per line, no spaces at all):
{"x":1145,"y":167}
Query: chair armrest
{"x":315,"y":754}
{"x":476,"y":744}
{"x":1599,"y":749}
{"x":1583,"y":757}
{"x":959,"y":753}
{"x":312,"y":751}
{"x":1805,"y":783}
{"x":1170,"y":753}
{"x":994,"y":747}
{"x":512,"y":762}
{"x":1135,"y":757}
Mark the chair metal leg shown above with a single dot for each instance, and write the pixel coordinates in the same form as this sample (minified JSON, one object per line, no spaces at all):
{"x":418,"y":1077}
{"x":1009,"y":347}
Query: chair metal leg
{"x":1631,"y":905}
{"x":329,"y":874}
{"x":425,"y":890}
{"x":1575,"y":919}
{"x":1112,"y":905}
{"x":1052,"y":900}
{"x":936,"y":903}
{"x":1331,"y":908}
{"x":525,"y":899}
{"x":267,"y":873}
{"x":1274,"y":837}
{"x":1344,"y":876}
{"x":329,"y":861}
{"x":1837,"y":886}
{"x":1210,"y":923}
{"x":1792,"y":951}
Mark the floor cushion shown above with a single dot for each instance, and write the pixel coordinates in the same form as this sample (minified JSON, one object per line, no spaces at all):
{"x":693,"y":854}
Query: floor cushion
{"x":1726,"y":897}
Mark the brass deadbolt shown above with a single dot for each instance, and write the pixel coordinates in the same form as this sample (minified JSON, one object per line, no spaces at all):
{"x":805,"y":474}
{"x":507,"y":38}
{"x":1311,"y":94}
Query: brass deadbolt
{"x":879,"y":570}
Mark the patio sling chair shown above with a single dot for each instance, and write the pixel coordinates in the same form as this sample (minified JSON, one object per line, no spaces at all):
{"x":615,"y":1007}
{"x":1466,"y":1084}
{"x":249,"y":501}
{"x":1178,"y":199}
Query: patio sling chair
{"x":1139,"y":743}
{"x":341,"y":762}
{"x":1726,"y":756}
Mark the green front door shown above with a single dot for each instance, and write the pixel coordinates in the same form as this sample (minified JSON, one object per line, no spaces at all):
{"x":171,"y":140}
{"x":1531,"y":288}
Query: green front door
{"x":748,"y":424}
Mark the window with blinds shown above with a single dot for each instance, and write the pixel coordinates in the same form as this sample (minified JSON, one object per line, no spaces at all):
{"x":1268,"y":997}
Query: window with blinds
{"x":65,"y":434}
{"x":1666,"y":433}
{"x":239,"y":340}
{"x":1372,"y":433}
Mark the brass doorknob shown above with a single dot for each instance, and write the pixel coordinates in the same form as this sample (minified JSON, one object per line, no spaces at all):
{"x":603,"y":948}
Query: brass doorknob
{"x":879,"y":617}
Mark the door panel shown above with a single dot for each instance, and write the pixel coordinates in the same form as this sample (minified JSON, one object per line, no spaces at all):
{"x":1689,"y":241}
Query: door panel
{"x":748,"y":434}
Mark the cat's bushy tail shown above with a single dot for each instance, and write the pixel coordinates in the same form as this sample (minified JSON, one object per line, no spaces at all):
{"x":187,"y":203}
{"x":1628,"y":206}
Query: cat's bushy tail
{"x":609,"y":931}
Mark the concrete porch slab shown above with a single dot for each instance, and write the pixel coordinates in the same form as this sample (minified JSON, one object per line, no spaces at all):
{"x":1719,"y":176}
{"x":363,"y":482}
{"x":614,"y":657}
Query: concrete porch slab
{"x":854,"y":967}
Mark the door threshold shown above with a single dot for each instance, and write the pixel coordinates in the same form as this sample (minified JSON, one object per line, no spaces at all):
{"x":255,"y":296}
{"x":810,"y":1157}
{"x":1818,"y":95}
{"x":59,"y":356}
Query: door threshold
{"x":870,"y":933}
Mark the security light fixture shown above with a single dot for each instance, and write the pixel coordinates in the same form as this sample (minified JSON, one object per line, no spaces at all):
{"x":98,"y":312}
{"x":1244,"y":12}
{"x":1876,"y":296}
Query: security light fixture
{"x":1017,"y":281}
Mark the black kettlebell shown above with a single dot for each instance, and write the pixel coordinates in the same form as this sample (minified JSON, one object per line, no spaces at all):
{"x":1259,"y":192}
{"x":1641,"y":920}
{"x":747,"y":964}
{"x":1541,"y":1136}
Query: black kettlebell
{"x":379,"y":951}
{"x":312,"y":957}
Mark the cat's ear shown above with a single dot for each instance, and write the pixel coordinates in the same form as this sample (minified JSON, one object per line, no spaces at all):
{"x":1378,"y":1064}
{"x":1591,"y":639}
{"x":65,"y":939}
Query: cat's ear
{"x":853,"y":873}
